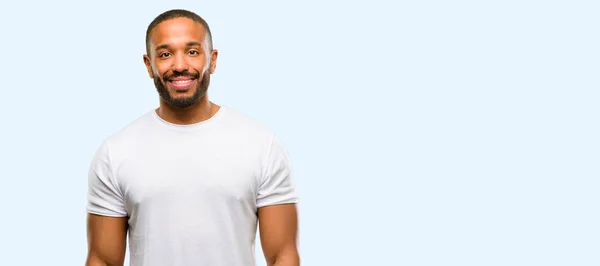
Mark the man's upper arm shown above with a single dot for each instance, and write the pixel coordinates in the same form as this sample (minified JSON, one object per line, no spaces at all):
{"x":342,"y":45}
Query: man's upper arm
{"x":277,"y":185}
{"x":277,"y":214}
{"x":107,"y":240}
{"x":104,"y":194}
{"x":107,"y":215}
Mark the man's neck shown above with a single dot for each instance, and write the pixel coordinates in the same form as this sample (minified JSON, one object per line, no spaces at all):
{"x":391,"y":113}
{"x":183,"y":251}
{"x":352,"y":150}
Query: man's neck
{"x":200,"y":111}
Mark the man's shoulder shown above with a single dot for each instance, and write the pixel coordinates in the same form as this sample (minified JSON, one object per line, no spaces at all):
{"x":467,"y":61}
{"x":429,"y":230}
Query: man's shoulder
{"x":123,"y":137}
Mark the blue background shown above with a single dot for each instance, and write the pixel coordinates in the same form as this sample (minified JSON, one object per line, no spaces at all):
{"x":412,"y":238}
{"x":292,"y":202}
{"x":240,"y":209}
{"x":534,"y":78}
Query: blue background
{"x":422,"y":132}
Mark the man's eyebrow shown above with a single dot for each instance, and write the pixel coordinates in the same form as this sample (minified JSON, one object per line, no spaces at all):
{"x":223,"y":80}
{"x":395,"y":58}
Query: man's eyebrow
{"x":162,"y":46}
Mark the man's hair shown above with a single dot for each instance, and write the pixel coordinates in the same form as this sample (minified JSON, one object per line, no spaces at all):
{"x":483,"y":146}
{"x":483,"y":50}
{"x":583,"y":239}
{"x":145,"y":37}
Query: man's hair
{"x":178,"y":13}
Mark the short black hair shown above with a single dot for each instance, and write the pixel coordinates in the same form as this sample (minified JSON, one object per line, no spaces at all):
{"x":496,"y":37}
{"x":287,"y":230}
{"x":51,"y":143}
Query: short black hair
{"x":177,"y":13}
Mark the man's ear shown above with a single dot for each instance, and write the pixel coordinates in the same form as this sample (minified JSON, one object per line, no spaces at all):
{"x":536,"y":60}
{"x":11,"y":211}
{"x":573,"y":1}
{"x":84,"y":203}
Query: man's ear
{"x":148,"y":64}
{"x":213,"y":60}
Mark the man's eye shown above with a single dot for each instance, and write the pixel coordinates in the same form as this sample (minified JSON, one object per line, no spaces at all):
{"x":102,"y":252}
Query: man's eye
{"x":194,"y":52}
{"x":163,"y":55}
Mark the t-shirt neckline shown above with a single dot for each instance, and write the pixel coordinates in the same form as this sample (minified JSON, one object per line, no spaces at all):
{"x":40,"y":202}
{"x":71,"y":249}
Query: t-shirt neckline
{"x":193,"y":126}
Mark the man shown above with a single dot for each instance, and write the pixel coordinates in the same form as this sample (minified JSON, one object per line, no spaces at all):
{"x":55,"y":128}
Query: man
{"x":190,"y":181}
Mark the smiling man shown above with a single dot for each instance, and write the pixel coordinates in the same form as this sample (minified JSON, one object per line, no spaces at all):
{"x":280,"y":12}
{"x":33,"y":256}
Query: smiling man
{"x":189,"y":182}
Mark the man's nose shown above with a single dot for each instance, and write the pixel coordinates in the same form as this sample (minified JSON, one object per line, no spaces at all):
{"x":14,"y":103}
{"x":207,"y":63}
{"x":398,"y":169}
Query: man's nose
{"x":180,"y":63}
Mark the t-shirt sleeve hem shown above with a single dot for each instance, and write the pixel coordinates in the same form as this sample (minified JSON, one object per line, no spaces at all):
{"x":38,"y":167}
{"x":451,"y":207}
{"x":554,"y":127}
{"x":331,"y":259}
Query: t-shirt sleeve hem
{"x":108,"y":214}
{"x":280,"y":202}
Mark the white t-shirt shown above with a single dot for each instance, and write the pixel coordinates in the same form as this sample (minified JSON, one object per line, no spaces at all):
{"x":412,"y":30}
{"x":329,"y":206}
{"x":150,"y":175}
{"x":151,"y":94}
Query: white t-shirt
{"x":191,"y":192}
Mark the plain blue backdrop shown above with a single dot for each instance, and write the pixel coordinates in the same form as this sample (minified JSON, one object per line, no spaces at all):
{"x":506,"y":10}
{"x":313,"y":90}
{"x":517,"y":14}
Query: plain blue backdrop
{"x":422,"y":132}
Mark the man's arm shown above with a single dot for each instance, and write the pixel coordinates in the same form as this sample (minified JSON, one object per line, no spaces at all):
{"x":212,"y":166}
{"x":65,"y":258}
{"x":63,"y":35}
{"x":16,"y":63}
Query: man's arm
{"x":107,"y":240}
{"x":278,"y":226}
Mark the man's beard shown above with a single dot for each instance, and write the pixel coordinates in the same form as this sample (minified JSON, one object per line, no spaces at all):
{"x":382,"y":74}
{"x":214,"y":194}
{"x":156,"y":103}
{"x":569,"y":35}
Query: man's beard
{"x":201,"y":89}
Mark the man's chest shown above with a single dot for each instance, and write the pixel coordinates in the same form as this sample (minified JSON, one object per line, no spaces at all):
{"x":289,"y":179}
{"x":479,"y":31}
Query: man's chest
{"x":152,"y":179}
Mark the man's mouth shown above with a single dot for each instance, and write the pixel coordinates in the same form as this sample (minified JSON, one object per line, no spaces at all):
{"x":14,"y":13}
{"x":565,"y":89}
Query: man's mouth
{"x":181,"y":83}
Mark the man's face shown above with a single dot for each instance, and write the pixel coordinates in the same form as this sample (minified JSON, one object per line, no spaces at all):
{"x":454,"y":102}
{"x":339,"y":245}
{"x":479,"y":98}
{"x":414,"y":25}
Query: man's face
{"x":180,"y":62}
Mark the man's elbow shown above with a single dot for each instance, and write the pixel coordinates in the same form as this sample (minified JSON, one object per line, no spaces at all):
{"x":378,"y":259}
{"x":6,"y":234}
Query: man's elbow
{"x":92,"y":261}
{"x":286,"y":257}
{"x":98,"y":261}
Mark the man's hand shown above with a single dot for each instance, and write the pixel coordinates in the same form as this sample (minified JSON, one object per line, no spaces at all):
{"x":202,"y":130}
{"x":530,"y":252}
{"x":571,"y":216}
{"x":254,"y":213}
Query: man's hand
{"x":278,"y":226}
{"x":107,"y":240}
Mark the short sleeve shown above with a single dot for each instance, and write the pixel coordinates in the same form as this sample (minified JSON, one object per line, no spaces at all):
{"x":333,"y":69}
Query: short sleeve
{"x":104,"y":196}
{"x":277,"y":186}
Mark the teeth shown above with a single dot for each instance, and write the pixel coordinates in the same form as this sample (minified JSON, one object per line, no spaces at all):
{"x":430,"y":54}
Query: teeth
{"x":181,"y":81}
